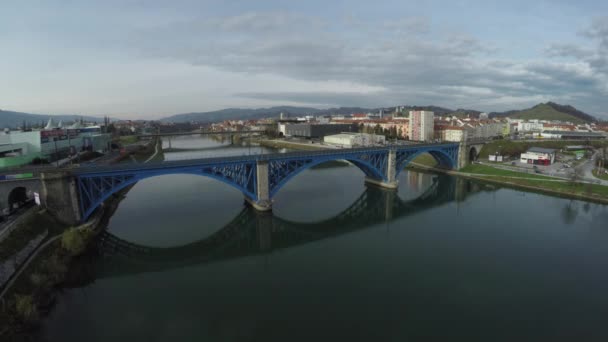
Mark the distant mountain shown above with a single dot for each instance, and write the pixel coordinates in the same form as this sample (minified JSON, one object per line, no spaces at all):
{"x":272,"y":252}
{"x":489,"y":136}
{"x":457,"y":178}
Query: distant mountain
{"x":240,"y":113}
{"x":462,"y":113}
{"x":437,"y":110}
{"x":549,"y":111}
{"x":10,"y":119}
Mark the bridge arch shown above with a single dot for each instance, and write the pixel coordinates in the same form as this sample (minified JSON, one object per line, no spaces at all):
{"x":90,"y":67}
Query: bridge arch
{"x":95,"y":189}
{"x":282,"y":171}
{"x":445,"y":157}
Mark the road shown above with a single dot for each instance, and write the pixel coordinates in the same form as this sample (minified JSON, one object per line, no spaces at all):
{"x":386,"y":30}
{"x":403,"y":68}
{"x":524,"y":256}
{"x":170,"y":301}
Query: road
{"x":587,"y":168}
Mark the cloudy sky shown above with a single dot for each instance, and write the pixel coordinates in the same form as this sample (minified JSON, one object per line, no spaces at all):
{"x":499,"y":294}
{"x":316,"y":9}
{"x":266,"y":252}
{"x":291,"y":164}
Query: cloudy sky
{"x":148,"y":59}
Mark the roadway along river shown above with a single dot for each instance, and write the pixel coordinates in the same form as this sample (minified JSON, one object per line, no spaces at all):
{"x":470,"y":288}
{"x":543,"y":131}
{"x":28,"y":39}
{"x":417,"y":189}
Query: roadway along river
{"x":441,"y":259}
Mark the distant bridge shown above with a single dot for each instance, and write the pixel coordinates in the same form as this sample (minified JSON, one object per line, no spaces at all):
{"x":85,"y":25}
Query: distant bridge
{"x":169,"y":134}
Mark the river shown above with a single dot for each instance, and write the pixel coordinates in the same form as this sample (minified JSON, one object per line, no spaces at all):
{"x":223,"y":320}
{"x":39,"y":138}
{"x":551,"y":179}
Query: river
{"x":440,"y":259}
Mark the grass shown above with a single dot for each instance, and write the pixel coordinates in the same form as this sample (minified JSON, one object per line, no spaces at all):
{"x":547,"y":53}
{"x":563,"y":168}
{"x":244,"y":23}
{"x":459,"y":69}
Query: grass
{"x":597,"y":175}
{"x":27,"y":230}
{"x":564,"y":187}
{"x":426,"y":160}
{"x":515,"y":148}
{"x":127,"y":139}
{"x":491,"y":171}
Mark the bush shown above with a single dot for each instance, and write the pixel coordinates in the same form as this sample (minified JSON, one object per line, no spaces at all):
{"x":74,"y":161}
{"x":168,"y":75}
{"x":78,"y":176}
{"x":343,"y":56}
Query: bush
{"x":74,"y":241}
{"x":25,"y":308}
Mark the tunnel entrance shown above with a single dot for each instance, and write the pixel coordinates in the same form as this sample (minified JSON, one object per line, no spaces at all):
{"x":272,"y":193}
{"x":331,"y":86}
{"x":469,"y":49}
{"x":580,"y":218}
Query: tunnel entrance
{"x":472,"y":154}
{"x":17,"y":197}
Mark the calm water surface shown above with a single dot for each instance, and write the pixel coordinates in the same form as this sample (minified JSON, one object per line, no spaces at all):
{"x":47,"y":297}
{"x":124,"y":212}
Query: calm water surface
{"x":441,"y":259}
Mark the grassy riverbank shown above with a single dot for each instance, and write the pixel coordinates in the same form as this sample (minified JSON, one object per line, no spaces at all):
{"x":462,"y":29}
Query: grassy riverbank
{"x":530,"y":182}
{"x":276,"y":143}
{"x":515,"y":148}
{"x":480,"y":169}
{"x":64,"y":262}
{"x":35,"y":224}
{"x":602,"y":176}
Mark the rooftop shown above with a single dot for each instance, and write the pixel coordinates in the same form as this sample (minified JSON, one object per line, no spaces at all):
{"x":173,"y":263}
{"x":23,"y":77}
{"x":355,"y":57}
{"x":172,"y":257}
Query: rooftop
{"x":541,"y":150}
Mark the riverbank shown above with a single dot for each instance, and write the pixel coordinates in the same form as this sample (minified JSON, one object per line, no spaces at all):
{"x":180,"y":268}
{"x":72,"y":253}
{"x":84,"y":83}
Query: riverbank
{"x":278,"y":143}
{"x":533,"y":183}
{"x":60,"y":262}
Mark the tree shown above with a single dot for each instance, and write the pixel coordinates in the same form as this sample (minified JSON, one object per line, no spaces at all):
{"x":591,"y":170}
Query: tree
{"x":576,"y":176}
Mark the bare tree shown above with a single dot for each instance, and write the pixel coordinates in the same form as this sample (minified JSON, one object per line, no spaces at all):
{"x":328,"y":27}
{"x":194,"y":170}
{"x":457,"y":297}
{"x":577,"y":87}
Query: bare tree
{"x":576,"y":176}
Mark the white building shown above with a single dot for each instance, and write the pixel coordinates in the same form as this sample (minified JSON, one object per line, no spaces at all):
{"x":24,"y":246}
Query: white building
{"x":538,"y":156}
{"x":483,"y":116}
{"x":453,"y":133}
{"x":354,"y":139}
{"x":421,"y":125}
{"x":530,"y":126}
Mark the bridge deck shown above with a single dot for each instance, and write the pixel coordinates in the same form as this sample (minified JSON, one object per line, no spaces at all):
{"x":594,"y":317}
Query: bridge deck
{"x":248,"y":158}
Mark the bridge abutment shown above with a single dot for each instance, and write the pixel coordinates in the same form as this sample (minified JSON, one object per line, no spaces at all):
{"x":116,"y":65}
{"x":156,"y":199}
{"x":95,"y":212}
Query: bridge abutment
{"x":60,"y":196}
{"x":263,"y":202}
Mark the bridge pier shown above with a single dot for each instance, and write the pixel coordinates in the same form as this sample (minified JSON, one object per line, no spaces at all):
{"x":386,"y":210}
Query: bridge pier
{"x":391,"y":181}
{"x":263,"y":202}
{"x":60,"y":196}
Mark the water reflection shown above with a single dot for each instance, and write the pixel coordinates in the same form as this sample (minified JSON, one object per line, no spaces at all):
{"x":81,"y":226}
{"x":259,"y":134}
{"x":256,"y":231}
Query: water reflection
{"x":252,"y":232}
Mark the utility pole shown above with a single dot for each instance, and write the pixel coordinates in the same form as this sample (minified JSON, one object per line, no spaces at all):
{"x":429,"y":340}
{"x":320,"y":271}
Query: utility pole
{"x":56,"y":154}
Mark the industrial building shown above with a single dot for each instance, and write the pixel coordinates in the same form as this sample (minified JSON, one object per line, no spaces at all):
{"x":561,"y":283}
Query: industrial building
{"x":538,"y":156}
{"x":20,"y":148}
{"x":311,"y":130}
{"x":421,"y":126}
{"x":354,"y":139}
{"x":572,"y":135}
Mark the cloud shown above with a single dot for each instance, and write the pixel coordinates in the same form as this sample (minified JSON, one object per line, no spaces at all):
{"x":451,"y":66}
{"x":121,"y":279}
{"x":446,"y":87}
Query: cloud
{"x":567,"y":50}
{"x":405,"y":58}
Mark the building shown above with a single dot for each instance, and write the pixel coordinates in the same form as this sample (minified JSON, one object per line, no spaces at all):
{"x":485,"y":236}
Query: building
{"x":20,"y":148}
{"x":310,"y":130}
{"x":354,"y":139}
{"x":452,"y":133}
{"x":421,"y":125}
{"x":538,"y":156}
{"x":483,"y":116}
{"x":530,"y":126}
{"x":572,"y":135}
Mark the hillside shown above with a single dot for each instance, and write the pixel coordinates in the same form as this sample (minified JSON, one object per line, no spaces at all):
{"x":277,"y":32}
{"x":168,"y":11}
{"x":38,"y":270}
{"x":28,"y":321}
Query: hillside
{"x":239,"y":113}
{"x":549,"y":111}
{"x":12,"y":119}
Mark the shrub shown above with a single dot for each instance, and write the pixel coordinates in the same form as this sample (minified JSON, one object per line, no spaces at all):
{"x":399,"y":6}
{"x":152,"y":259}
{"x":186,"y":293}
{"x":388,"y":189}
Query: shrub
{"x":74,"y":241}
{"x":25,"y":308}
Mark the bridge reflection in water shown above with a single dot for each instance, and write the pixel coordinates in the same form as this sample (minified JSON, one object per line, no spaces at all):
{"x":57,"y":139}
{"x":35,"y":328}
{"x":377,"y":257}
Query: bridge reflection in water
{"x":252,"y":232}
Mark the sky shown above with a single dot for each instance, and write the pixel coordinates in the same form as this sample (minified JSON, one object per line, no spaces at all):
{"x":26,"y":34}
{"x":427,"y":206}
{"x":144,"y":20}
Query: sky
{"x":150,"y":59}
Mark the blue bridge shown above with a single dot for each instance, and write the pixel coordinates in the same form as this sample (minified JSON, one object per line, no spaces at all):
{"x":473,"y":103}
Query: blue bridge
{"x":258,"y":177}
